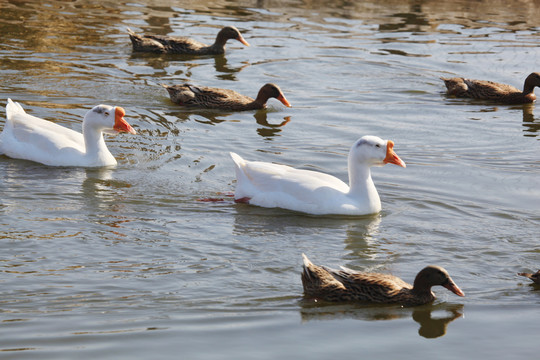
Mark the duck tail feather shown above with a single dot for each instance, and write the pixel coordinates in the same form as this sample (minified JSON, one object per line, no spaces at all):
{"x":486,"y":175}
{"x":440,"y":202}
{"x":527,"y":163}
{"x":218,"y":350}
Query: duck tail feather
{"x":307,"y":273}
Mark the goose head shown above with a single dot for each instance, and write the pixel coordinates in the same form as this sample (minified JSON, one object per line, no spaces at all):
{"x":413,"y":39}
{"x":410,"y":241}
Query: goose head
{"x":374,"y":151}
{"x":108,"y":119}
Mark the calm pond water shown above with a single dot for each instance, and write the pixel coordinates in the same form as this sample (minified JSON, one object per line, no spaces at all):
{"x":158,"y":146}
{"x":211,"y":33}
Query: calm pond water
{"x":129,"y":263}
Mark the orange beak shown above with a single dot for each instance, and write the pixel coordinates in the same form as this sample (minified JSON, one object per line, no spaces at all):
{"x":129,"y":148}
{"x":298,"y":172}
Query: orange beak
{"x":120,"y":124}
{"x":391,"y":156}
{"x":284,"y":101}
{"x":450,"y":285}
{"x":242,"y":40}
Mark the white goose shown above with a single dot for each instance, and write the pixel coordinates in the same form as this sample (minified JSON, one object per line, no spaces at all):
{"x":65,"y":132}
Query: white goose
{"x":27,"y":137}
{"x":272,"y":185}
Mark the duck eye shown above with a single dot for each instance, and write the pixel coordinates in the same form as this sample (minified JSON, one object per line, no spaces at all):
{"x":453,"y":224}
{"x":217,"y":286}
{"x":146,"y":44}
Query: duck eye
{"x":378,"y":145}
{"x":106,"y":113}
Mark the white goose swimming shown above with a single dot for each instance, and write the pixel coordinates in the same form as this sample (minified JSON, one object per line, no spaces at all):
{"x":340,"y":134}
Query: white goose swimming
{"x":272,"y":185}
{"x":27,"y":137}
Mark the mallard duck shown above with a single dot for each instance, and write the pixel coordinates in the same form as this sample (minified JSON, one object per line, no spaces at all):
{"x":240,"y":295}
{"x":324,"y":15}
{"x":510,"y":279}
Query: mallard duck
{"x":184,"y":45}
{"x":224,"y":99}
{"x":534,"y":277}
{"x":273,"y":185}
{"x":489,"y":90}
{"x":28,"y":137}
{"x":346,"y":285}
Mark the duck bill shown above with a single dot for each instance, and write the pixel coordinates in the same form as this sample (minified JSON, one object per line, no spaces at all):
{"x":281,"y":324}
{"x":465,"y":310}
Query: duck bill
{"x":391,"y":156}
{"x":120,"y":124}
{"x":450,"y":285}
{"x":284,"y":101}
{"x":533,"y":277}
{"x":242,"y":40}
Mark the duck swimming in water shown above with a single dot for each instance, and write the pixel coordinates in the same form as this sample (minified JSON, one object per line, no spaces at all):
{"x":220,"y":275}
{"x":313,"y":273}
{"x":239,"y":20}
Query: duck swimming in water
{"x":223,"y":99}
{"x":346,"y":285}
{"x":489,"y":90}
{"x":184,"y":45}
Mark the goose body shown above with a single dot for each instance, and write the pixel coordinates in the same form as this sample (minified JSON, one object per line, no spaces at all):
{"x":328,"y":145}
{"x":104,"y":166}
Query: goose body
{"x":346,"y":285}
{"x":30,"y":138}
{"x":489,"y":90}
{"x":184,"y":45}
{"x":273,"y":185}
{"x":224,"y":99}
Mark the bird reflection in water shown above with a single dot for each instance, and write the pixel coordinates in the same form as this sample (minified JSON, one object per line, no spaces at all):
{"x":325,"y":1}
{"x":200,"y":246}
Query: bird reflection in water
{"x":430,"y":326}
{"x":531,"y":128}
{"x":226,"y":72}
{"x":268,"y":130}
{"x":434,"y":327}
{"x":185,"y":64}
{"x":103,"y":195}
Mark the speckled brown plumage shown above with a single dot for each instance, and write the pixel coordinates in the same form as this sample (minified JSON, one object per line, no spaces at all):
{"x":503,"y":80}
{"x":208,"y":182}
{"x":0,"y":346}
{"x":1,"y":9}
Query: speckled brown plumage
{"x":216,"y":98}
{"x":347,"y":285}
{"x":184,"y":45}
{"x":489,"y":90}
{"x":534,"y":277}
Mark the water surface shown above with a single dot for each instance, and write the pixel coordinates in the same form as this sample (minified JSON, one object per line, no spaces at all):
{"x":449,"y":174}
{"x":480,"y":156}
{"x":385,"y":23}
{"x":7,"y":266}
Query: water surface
{"x":129,"y":263}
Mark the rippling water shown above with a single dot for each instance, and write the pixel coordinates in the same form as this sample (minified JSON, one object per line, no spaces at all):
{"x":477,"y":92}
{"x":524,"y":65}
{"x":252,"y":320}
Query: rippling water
{"x":129,"y":263}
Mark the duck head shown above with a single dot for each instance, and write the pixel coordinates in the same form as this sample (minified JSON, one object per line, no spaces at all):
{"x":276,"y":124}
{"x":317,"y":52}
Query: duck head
{"x":435,"y":275}
{"x":271,"y":91}
{"x":534,"y":277}
{"x":531,"y":81}
{"x":230,"y":32}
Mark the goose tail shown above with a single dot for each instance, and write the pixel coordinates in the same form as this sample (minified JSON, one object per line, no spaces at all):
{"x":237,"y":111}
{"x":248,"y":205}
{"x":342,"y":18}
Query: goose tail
{"x":13,"y":108}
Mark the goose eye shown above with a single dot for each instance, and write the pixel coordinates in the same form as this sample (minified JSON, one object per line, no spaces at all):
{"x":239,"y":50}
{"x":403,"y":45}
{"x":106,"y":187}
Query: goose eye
{"x":377,"y":145}
{"x":106,"y":113}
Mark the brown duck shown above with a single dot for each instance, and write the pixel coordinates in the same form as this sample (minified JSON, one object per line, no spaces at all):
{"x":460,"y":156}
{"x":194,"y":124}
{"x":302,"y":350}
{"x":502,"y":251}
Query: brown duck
{"x":184,"y":45}
{"x":347,"y":285}
{"x":489,"y":90}
{"x":216,"y":98}
{"x":534,"y":277}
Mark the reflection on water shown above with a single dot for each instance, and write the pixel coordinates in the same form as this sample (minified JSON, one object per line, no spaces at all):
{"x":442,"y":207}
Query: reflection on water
{"x":227,"y":72}
{"x":359,"y":240}
{"x":215,"y":117}
{"x":183,"y":66}
{"x":100,"y":190}
{"x":433,"y":327}
{"x":433,"y":319}
{"x":530,"y":124}
{"x":269,"y":130}
{"x":274,"y":220}
{"x":134,"y":242}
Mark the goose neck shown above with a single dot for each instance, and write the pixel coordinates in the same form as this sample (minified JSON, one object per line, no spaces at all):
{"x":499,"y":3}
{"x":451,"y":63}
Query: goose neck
{"x":93,"y":139}
{"x":360,"y":178}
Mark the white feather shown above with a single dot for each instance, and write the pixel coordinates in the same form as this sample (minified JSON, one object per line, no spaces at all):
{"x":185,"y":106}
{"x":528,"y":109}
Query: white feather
{"x":273,"y":185}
